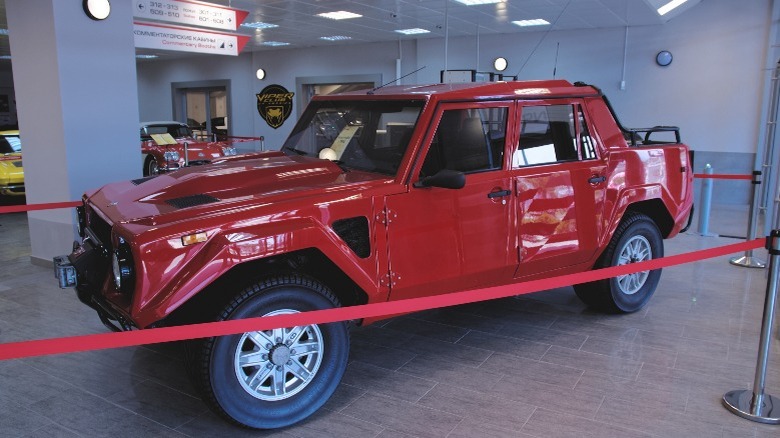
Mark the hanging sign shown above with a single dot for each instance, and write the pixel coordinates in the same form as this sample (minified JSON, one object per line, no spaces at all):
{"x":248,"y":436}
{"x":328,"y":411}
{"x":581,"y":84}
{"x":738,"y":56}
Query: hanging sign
{"x":274,"y":104}
{"x":190,"y":12}
{"x":183,"y":39}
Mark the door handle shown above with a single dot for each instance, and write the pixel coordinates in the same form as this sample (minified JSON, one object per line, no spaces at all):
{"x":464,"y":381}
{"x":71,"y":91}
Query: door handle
{"x":499,"y":194}
{"x":597,"y":179}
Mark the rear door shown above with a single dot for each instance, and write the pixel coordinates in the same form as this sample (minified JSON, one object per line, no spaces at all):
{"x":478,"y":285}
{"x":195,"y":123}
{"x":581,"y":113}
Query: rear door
{"x":560,"y":181}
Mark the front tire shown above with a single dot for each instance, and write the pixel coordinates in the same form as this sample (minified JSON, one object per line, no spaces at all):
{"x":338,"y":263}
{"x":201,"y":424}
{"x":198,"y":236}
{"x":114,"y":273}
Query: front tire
{"x":150,"y":167}
{"x":636,"y":239}
{"x":273,"y":378}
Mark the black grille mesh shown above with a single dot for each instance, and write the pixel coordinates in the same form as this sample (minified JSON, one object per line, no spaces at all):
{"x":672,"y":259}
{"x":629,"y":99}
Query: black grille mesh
{"x":100,"y":228}
{"x":354,"y":232}
{"x":191,"y":201}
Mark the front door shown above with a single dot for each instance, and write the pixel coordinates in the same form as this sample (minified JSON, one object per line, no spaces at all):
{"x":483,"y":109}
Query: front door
{"x":440,"y":239}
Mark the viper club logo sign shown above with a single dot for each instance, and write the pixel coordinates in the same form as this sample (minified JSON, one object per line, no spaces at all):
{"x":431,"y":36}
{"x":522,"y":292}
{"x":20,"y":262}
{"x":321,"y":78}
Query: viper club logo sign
{"x":274,"y":104}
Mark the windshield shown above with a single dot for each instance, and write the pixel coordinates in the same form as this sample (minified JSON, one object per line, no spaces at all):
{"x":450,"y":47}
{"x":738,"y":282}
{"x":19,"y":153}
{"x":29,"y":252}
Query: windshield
{"x":176,"y":131}
{"x":364,"y":135}
{"x":10,"y":144}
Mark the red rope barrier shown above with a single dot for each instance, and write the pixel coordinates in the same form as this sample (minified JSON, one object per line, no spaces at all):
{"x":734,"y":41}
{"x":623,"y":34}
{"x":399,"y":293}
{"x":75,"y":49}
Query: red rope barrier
{"x":32,"y":207}
{"x":73,"y":344}
{"x":722,"y":176}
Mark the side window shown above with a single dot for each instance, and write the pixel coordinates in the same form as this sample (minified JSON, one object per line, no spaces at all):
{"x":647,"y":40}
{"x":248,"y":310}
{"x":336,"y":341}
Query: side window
{"x":587,"y":145}
{"x":467,"y":140}
{"x":547,"y":135}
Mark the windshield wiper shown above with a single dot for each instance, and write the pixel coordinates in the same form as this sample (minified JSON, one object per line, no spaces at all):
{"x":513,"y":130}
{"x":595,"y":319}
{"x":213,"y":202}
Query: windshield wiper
{"x":297,"y":151}
{"x":342,"y":165}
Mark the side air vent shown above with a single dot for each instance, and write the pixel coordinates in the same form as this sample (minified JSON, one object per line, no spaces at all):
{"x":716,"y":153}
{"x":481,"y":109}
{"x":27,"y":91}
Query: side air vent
{"x":191,"y":201}
{"x":354,"y":232}
{"x":143,"y":180}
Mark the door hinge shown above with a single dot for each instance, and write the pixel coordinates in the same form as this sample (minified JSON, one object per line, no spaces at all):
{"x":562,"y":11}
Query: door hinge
{"x":390,"y":279}
{"x":385,"y":216}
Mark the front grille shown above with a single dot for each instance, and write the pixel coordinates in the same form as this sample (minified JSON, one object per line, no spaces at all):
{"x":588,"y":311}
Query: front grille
{"x":100,"y":228}
{"x":191,"y":201}
{"x":142,"y":180}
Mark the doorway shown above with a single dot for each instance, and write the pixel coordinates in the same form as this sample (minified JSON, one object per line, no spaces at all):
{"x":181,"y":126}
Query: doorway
{"x":204,"y":108}
{"x":308,"y":87}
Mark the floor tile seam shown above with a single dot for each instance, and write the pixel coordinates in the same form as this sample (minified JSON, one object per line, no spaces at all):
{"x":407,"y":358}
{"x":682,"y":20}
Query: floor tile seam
{"x":56,"y":424}
{"x":637,"y":362}
{"x":594,"y":420}
{"x":104,"y":399}
{"x":391,"y":398}
{"x":497,"y":397}
{"x":510,"y":338}
{"x":462,"y":419}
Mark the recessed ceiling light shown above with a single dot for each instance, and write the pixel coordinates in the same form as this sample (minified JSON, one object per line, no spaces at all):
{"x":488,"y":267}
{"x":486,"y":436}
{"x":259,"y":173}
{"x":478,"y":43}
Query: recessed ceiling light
{"x":275,"y":43}
{"x":336,"y":38}
{"x":5,"y":56}
{"x":534,"y":22}
{"x":414,"y":31}
{"x":3,"y":31}
{"x":145,"y":56}
{"x":669,"y":6}
{"x":339,"y":15}
{"x":478,"y":2}
{"x":260,"y":25}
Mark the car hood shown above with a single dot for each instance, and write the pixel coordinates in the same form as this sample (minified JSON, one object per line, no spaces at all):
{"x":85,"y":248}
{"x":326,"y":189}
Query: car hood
{"x":256,"y":182}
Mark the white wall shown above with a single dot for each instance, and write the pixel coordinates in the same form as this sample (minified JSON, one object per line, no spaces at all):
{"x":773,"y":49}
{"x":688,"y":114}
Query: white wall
{"x":712,"y":90}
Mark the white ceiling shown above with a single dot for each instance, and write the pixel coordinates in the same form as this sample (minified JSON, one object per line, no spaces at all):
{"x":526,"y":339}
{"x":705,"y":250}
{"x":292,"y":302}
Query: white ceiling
{"x":299,"y":25}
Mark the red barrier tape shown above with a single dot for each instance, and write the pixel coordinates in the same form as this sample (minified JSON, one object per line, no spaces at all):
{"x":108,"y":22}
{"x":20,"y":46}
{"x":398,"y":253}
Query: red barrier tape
{"x":31,"y":207}
{"x":722,"y":176}
{"x":42,"y":347}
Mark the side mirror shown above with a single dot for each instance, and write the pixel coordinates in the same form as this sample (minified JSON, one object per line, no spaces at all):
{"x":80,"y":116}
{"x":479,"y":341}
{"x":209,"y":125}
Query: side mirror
{"x":445,"y":178}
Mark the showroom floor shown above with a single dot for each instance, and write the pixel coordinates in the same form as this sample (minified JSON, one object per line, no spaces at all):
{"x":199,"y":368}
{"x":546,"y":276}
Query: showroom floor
{"x":539,"y":365}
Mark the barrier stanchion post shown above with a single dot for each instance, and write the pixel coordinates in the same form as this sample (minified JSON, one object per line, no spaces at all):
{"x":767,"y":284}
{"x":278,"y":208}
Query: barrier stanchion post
{"x":748,"y":260}
{"x":706,"y":204}
{"x":756,"y":405}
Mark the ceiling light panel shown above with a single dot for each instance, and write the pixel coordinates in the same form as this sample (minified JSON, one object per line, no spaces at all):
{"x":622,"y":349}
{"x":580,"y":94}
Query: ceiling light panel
{"x":275,"y":43}
{"x":534,"y":22}
{"x":339,"y":15}
{"x":478,"y":2}
{"x":663,"y":10}
{"x":259,"y":25}
{"x":336,"y":38}
{"x":415,"y":31}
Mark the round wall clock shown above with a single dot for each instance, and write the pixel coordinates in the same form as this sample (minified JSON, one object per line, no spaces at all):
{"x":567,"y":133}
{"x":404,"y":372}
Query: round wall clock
{"x":663,"y":58}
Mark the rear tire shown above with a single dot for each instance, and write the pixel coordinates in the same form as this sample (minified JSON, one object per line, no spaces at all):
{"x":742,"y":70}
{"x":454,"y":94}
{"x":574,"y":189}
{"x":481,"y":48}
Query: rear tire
{"x":273,"y":378}
{"x":636,"y":239}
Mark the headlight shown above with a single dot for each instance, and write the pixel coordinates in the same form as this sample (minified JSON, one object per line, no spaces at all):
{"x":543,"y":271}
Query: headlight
{"x":171,"y":156}
{"x":122,"y":265}
{"x":81,"y":219}
{"x":228,"y":150}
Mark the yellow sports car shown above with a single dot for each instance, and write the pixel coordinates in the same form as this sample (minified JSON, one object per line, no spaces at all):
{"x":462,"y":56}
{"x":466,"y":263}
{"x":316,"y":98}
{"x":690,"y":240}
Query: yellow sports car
{"x":11,"y":172}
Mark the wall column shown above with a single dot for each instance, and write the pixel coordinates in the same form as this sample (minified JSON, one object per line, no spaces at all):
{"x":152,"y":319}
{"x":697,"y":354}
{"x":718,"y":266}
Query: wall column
{"x":77,"y":103}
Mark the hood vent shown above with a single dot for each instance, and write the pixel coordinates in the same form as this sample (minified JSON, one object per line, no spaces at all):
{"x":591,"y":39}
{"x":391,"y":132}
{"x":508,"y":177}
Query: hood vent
{"x":142,"y":180}
{"x":191,"y":201}
{"x":354,"y":232}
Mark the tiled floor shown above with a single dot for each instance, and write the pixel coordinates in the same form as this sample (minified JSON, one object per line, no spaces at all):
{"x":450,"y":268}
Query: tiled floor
{"x":539,"y":365}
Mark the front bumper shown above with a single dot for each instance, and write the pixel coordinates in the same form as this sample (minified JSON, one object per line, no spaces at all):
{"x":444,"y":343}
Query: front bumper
{"x":84,"y":270}
{"x":12,"y":190}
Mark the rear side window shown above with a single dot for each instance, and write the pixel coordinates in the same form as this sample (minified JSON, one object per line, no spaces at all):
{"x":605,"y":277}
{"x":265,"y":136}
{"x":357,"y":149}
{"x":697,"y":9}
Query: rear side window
{"x":547,"y":135}
{"x":553,"y":134}
{"x":467,"y":140}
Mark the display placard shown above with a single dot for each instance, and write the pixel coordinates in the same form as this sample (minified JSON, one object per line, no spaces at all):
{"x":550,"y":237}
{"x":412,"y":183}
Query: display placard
{"x":183,"y":39}
{"x":191,"y":13}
